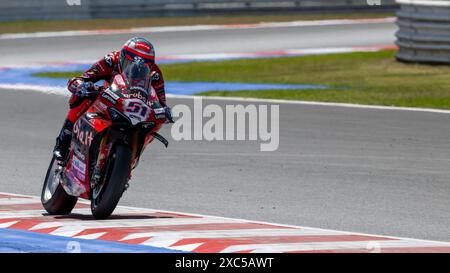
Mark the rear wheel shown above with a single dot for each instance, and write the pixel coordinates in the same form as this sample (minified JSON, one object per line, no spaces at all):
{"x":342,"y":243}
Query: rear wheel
{"x":106,"y":195}
{"x":53,"y":196}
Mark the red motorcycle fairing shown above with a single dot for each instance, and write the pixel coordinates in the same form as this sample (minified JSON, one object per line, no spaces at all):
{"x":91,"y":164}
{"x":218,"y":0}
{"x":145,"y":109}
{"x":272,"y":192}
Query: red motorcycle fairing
{"x":136,"y":105}
{"x":85,"y":130}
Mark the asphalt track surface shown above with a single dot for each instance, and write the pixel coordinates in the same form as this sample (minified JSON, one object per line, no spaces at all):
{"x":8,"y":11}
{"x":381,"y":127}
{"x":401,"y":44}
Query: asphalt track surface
{"x":363,"y":170}
{"x":24,"y":51}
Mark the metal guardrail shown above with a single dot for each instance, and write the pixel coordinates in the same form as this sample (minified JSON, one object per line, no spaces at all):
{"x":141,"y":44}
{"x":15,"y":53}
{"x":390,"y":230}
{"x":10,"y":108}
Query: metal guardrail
{"x":424,"y":31}
{"x":82,"y":9}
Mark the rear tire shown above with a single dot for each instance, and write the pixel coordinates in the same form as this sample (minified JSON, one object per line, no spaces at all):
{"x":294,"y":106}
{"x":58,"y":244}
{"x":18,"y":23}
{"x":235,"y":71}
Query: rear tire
{"x":105,"y":199}
{"x":53,"y":197}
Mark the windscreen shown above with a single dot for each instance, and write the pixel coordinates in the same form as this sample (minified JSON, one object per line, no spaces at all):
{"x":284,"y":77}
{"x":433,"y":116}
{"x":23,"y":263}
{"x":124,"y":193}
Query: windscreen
{"x":137,"y":77}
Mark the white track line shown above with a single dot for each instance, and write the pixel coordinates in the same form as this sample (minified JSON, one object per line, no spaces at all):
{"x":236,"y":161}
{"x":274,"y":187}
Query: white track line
{"x":76,"y":226}
{"x":277,"y":53}
{"x":33,"y":213}
{"x":8,"y":224}
{"x":40,"y":88}
{"x":228,"y":233}
{"x":383,"y":245}
{"x":73,"y":33}
{"x":39,"y":213}
{"x":16,"y":201}
{"x":434,"y":3}
{"x":92,"y":236}
{"x":299,"y":102}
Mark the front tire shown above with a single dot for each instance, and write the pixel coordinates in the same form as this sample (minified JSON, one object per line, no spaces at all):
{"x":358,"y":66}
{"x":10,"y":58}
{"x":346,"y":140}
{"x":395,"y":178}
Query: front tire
{"x":54,"y":198}
{"x":106,"y":196}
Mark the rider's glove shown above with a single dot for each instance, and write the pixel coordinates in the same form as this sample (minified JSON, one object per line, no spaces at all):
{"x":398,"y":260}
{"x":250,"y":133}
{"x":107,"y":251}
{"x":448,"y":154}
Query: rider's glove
{"x":169,"y":117}
{"x":87,"y":89}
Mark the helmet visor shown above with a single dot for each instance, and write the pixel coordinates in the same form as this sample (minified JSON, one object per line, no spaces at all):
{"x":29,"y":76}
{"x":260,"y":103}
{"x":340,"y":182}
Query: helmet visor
{"x":137,"y":75}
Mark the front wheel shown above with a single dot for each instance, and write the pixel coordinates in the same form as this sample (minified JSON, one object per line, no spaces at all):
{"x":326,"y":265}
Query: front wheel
{"x":106,"y":194}
{"x":53,"y":196}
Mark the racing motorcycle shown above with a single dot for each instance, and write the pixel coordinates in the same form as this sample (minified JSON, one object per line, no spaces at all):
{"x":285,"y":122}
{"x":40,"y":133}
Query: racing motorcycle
{"x":107,"y":142}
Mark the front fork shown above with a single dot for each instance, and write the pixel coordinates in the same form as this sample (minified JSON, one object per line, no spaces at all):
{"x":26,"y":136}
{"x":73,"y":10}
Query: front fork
{"x":104,"y":151}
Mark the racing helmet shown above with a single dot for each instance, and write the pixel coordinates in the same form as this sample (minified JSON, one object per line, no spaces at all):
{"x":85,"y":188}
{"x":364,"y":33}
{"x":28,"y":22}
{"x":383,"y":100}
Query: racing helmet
{"x":136,"y":49}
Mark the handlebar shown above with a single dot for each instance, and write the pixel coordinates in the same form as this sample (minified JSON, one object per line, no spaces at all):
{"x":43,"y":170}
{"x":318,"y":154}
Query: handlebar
{"x":89,"y":90}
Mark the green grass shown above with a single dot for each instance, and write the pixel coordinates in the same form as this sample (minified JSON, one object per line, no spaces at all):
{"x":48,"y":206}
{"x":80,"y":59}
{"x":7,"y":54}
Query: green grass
{"x":373,"y":78}
{"x":60,"y":75}
{"x":60,"y":25}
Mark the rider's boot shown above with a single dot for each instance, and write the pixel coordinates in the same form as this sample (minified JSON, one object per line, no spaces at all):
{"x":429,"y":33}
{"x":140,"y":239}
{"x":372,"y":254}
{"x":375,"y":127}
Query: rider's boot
{"x":63,"y":141}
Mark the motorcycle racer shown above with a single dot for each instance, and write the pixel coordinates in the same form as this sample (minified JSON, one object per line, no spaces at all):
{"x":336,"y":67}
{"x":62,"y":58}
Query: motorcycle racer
{"x":84,"y":92}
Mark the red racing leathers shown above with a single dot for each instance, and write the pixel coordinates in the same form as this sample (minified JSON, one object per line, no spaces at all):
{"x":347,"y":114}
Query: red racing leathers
{"x":105,"y":69}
